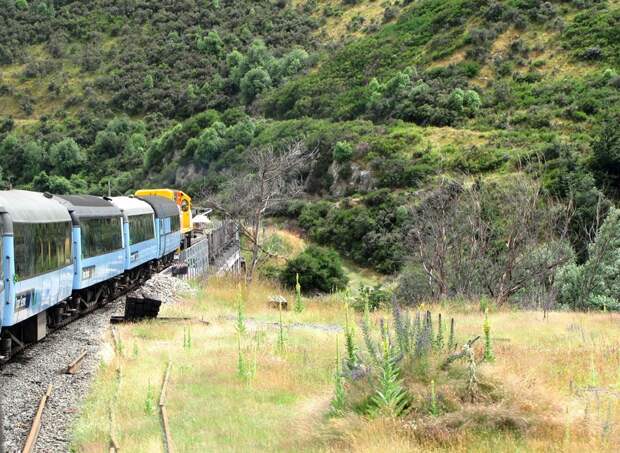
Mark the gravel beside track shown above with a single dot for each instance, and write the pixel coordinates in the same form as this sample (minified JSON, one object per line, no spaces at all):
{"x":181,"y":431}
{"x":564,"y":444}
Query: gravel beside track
{"x":24,"y":381}
{"x":166,"y":288}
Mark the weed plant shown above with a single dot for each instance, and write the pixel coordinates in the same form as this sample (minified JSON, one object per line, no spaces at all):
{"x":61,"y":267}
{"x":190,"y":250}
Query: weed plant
{"x":187,"y":337}
{"x":488,"y":349}
{"x":411,"y":354}
{"x":390,"y":398}
{"x":338,"y":402}
{"x":451,"y":340}
{"x":149,"y":401}
{"x":240,"y":323}
{"x":352,"y":359}
{"x":299,"y":303}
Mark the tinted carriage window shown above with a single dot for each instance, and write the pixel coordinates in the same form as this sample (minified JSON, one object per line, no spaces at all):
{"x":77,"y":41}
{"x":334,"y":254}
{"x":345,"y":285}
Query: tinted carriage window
{"x":1,"y":254}
{"x":141,"y":228}
{"x":175,"y":223}
{"x":41,"y":247}
{"x":100,"y":236}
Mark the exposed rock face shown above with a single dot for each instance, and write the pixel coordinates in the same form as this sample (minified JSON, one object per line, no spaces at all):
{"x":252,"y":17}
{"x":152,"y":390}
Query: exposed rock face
{"x":359,"y":181}
{"x":188,"y":173}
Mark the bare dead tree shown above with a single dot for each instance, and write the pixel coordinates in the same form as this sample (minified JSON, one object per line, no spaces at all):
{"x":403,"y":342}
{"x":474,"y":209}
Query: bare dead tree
{"x":488,"y":239}
{"x":271,"y":177}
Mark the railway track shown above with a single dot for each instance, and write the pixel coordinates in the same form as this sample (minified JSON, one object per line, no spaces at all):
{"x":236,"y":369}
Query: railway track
{"x":33,"y":434}
{"x":67,"y":359}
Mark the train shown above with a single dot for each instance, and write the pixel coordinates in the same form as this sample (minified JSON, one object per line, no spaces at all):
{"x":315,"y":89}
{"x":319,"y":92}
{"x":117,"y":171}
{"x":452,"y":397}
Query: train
{"x":64,"y":255}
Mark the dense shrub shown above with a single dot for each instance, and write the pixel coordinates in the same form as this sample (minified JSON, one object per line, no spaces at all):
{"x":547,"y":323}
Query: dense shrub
{"x":596,"y":283}
{"x":371,"y":233}
{"x":319,"y":270}
{"x":606,"y":156}
{"x":343,"y":151}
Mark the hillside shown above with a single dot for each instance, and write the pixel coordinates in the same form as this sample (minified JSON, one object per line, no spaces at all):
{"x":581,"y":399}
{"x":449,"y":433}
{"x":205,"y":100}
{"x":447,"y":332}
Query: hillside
{"x":394,"y":94}
{"x":427,"y":201}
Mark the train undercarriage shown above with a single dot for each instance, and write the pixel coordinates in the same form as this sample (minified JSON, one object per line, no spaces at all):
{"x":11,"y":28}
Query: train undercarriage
{"x":15,"y":338}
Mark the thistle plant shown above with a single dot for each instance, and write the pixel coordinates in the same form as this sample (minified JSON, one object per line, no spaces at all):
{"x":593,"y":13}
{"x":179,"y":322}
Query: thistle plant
{"x":367,"y":331}
{"x":390,"y":397}
{"x":338,"y":402}
{"x":352,"y":359}
{"x":488,"y":350}
{"x":149,"y":402}
{"x":439,"y":341}
{"x":187,"y":337}
{"x":299,"y":304}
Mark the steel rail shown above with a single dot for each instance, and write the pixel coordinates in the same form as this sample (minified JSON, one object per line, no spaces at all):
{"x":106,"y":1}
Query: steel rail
{"x":33,"y":435}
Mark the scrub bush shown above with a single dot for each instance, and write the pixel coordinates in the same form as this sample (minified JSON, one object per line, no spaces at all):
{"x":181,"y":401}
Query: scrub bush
{"x":319,"y":269}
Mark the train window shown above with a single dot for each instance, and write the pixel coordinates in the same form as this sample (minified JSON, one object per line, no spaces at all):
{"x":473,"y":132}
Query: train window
{"x":141,"y":228}
{"x":41,"y":248}
{"x":1,"y":255}
{"x":101,"y":236}
{"x":175,"y":223}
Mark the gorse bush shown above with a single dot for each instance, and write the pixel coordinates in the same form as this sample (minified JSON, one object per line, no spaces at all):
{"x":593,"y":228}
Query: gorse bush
{"x":319,"y":270}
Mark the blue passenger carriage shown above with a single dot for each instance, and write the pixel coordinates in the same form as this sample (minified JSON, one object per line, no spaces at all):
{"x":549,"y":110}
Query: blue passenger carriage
{"x":167,"y":226}
{"x":98,"y":249}
{"x":36,"y":265}
{"x":141,"y":245}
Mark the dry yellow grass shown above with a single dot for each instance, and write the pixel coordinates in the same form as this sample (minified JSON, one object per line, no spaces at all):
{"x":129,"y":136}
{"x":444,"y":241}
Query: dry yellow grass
{"x":561,"y":375}
{"x":335,"y":27}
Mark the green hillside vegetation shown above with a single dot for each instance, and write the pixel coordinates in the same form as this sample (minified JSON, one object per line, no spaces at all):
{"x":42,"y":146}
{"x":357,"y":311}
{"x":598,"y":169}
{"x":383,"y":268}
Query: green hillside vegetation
{"x":396,"y":96}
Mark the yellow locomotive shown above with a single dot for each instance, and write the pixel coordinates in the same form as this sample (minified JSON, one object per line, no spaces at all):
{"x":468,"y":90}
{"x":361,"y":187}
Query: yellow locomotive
{"x":183,"y":201}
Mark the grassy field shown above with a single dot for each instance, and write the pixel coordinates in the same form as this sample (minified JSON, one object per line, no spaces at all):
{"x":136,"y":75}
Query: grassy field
{"x":559,"y":378}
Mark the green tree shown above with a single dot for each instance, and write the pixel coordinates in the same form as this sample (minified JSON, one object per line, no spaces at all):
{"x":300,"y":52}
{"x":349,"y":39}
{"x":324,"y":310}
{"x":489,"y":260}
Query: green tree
{"x":53,"y":184}
{"x":149,"y":82}
{"x":210,"y":144}
{"x":21,"y":4}
{"x":254,"y":82}
{"x":471,"y":101}
{"x":212,"y":43}
{"x":456,"y":100}
{"x":293,"y":62}
{"x":66,"y":157}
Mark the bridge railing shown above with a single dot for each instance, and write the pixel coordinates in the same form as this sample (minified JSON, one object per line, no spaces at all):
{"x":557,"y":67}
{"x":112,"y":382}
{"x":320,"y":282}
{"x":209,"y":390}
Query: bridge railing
{"x":211,"y":253}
